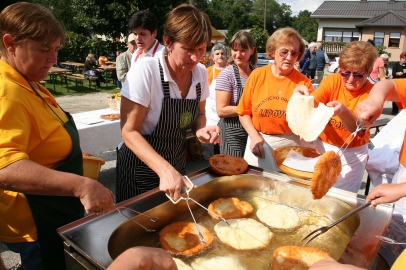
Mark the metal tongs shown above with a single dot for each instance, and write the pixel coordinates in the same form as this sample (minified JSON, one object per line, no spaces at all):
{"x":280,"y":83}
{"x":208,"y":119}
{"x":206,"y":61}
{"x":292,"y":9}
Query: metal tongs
{"x":187,"y":199}
{"x":151,"y":218}
{"x":324,"y":229}
{"x":360,"y":126}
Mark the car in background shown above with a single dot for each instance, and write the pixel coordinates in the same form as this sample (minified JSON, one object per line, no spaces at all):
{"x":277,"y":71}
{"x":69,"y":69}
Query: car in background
{"x":333,"y":65}
{"x":263,"y":60}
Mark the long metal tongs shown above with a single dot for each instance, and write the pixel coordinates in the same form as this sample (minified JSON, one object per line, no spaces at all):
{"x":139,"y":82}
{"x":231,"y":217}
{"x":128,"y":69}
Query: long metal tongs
{"x":151,"y":218}
{"x":360,"y":126}
{"x":187,"y":199}
{"x":324,"y":229}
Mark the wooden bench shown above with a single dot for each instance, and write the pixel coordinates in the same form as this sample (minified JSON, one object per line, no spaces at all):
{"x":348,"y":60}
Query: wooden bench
{"x":76,"y":79}
{"x":80,"y":78}
{"x":379,"y":123}
{"x":43,"y":83}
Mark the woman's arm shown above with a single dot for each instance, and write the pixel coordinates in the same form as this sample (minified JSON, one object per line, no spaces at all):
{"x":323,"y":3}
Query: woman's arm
{"x":26,"y":176}
{"x":132,"y":118}
{"x":223,"y":104}
{"x":257,"y":141}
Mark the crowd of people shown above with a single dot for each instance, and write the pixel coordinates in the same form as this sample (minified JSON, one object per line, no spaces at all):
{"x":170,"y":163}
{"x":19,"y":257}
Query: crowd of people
{"x":232,"y":107}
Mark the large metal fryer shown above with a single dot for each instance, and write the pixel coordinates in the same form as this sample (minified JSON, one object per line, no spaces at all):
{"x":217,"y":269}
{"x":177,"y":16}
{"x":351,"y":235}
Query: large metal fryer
{"x":87,"y":240}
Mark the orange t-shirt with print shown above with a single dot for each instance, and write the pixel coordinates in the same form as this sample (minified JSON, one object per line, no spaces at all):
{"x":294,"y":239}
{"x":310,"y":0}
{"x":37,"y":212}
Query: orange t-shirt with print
{"x":265,"y":98}
{"x":401,"y":89}
{"x":332,"y":88}
{"x":212,"y":71}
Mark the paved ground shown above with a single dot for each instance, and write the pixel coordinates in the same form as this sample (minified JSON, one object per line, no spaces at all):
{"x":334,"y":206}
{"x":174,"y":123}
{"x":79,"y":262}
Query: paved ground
{"x":76,"y":104}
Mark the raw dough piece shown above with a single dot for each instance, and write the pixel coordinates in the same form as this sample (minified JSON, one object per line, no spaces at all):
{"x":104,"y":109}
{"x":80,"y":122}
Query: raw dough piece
{"x":279,"y":217}
{"x":243,"y":233}
{"x":305,"y":120}
{"x":217,"y":263}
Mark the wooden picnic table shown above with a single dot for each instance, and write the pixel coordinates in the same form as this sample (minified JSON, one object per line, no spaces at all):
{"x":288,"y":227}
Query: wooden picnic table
{"x":54,"y":71}
{"x":75,"y":66}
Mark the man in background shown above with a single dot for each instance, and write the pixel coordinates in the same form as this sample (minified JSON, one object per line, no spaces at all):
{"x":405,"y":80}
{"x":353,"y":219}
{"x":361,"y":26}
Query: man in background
{"x":123,"y":61}
{"x":321,"y":61}
{"x":308,"y":63}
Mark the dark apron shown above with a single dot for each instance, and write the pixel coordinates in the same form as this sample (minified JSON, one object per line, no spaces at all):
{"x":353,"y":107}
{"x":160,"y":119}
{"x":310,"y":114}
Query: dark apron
{"x":168,"y":139}
{"x":233,"y":135}
{"x":52,"y":212}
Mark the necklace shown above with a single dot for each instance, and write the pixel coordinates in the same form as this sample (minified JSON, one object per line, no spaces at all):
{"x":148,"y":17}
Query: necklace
{"x":277,"y":84}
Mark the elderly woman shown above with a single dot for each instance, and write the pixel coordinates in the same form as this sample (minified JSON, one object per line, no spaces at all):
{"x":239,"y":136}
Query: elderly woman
{"x":90,"y":70}
{"x":378,"y":70}
{"x":229,"y":88}
{"x":162,"y":97}
{"x":219,"y":55}
{"x":41,"y":167}
{"x":262,"y":108}
{"x":343,"y":91}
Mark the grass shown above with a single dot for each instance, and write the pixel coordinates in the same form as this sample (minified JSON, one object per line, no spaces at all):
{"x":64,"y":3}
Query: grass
{"x":61,"y":90}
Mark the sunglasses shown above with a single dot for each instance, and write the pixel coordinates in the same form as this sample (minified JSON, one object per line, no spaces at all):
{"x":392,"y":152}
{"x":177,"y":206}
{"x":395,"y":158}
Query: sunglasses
{"x":354,"y":75}
{"x":284,"y":54}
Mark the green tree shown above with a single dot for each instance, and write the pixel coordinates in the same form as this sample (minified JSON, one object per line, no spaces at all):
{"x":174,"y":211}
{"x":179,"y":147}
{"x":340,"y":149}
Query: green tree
{"x":276,"y":16}
{"x":260,"y":36}
{"x":306,"y":26}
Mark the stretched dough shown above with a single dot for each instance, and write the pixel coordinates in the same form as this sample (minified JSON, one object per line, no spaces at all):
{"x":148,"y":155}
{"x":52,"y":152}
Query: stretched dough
{"x":305,"y":120}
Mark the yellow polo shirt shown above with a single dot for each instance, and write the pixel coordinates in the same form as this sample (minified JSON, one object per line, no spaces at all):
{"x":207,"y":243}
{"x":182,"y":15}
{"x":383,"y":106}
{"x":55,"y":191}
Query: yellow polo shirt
{"x":28,"y":130}
{"x":400,"y":263}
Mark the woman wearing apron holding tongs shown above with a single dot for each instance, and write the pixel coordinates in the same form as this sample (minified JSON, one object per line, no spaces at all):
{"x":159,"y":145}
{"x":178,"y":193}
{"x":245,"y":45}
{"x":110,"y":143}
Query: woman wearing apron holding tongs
{"x":219,"y":54}
{"x":229,"y":87}
{"x":164,"y":97}
{"x":41,"y":182}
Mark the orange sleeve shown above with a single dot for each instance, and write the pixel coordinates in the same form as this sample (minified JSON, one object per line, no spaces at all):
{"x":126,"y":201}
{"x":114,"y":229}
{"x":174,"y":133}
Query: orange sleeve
{"x":401,"y":89}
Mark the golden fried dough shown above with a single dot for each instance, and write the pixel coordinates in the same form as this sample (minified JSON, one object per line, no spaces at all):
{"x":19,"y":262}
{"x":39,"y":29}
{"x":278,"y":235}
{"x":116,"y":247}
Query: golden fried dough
{"x":230,"y":208}
{"x":228,"y":165}
{"x":296,"y":257}
{"x":243,"y":233}
{"x":279,"y":217}
{"x":325,"y":174}
{"x":182,"y":238}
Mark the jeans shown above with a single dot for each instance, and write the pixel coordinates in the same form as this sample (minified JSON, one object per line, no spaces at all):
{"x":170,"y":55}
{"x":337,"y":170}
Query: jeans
{"x":29,"y":253}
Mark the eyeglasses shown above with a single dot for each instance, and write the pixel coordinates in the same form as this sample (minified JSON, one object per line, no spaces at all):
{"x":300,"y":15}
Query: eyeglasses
{"x":354,"y":75}
{"x":284,"y":54}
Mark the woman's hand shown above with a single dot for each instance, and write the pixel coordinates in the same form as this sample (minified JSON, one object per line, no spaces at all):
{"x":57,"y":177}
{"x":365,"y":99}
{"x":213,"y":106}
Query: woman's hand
{"x":301,"y":89}
{"x":338,"y":107}
{"x":171,"y":182}
{"x":257,"y":146}
{"x":210,"y":134}
{"x":95,"y":197}
{"x":386,"y":193}
{"x":330,"y":263}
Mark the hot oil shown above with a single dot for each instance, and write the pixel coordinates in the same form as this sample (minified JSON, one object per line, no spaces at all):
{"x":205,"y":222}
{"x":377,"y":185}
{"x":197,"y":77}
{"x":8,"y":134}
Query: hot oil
{"x":334,"y":241}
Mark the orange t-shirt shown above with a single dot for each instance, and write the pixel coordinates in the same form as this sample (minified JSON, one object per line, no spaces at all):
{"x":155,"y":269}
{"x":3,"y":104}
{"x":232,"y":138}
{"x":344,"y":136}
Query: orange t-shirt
{"x":332,"y":88}
{"x":401,"y":89}
{"x":265,"y":98}
{"x":210,"y":73}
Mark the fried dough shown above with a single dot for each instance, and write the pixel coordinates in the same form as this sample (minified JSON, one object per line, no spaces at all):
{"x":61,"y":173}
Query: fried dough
{"x":112,"y":116}
{"x":296,"y":257}
{"x":217,"y":263}
{"x":230,"y":208}
{"x":182,"y":238}
{"x":182,"y":265}
{"x":279,"y":217}
{"x":243,"y":234}
{"x":325,"y":174}
{"x":228,"y":165}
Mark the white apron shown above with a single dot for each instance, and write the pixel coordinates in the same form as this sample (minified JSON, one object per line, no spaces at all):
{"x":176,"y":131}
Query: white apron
{"x":271,"y":142}
{"x":353,"y":163}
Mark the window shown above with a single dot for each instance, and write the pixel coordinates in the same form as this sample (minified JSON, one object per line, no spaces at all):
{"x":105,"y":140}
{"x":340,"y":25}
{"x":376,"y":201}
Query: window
{"x":394,"y":40}
{"x":378,"y":38}
{"x":344,"y":36}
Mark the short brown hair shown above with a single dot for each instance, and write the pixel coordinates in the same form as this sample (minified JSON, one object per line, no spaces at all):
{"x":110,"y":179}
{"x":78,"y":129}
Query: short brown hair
{"x":284,"y":36}
{"x":360,"y":55}
{"x":402,"y":55}
{"x":245,"y":41}
{"x":188,"y":25}
{"x":29,"y":21}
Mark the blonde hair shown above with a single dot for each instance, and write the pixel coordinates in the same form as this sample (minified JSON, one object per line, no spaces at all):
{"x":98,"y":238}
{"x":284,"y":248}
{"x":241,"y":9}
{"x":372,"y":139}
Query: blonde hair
{"x":29,"y":21}
{"x":245,"y":41}
{"x":360,"y":55}
{"x":284,"y":36}
{"x":187,"y":25}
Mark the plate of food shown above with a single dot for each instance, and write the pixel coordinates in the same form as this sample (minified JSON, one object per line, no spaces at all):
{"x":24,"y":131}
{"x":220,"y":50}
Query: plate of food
{"x":111,"y":117}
